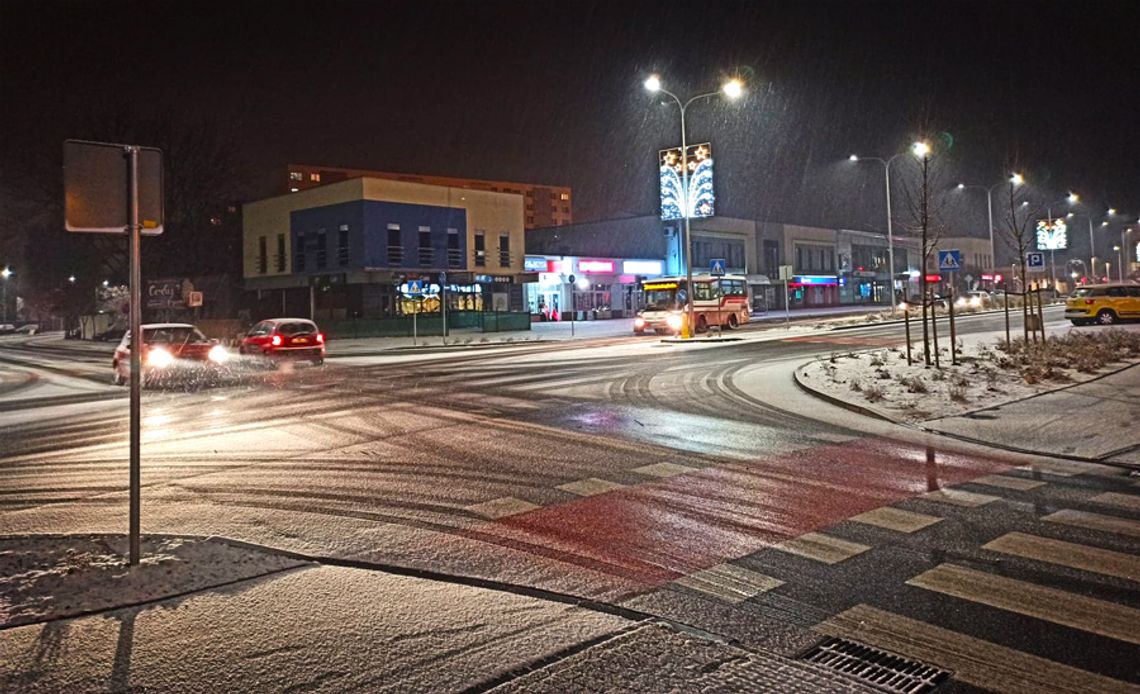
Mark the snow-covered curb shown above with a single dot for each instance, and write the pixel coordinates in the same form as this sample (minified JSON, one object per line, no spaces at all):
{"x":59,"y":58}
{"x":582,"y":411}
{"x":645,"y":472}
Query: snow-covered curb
{"x":881,"y":384}
{"x":48,"y":577}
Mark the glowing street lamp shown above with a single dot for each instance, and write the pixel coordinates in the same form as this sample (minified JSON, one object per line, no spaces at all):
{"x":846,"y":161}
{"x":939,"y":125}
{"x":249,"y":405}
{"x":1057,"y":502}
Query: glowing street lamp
{"x":732,"y":89}
{"x":1015,"y":179}
{"x":5,"y":274}
{"x":855,"y":158}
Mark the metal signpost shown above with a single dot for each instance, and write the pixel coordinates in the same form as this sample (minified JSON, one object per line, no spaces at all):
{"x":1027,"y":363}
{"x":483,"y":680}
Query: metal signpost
{"x":786,"y":275}
{"x":716,"y":269}
{"x":95,"y":177}
{"x":443,"y":304}
{"x":415,"y":290}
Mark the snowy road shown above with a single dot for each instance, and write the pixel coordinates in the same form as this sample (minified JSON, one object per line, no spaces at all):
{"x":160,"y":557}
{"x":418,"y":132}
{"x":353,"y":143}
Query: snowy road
{"x":694,"y":482}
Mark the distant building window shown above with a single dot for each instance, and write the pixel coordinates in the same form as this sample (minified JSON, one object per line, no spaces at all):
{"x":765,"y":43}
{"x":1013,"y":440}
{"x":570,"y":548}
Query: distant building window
{"x":395,"y":248}
{"x":262,"y":259}
{"x":454,"y":253}
{"x":504,"y":250}
{"x":426,"y":252}
{"x":280,"y":253}
{"x":299,"y":254}
{"x":322,"y":250}
{"x":565,"y":196}
{"x":296,"y":176}
{"x":342,"y":245}
{"x":315,"y":177}
{"x":480,"y":248}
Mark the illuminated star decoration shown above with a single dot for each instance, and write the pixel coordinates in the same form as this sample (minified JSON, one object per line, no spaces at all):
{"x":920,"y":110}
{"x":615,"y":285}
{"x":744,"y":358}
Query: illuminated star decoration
{"x":1052,"y":237}
{"x":702,"y":201}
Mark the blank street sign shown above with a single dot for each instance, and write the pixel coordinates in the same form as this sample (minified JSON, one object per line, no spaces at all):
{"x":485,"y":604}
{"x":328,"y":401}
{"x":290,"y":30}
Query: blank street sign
{"x":96,"y":186}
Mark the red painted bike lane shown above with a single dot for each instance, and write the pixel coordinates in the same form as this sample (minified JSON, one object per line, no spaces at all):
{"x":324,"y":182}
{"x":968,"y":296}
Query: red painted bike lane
{"x":653,"y":533}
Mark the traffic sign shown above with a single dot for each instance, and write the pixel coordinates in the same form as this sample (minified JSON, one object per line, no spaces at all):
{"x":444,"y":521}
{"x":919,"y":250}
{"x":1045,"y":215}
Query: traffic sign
{"x":950,"y":261}
{"x":96,"y":183}
{"x":786,"y":272}
{"x":413,"y":288}
{"x":1035,"y":261}
{"x":716,"y":266}
{"x":194,"y":300}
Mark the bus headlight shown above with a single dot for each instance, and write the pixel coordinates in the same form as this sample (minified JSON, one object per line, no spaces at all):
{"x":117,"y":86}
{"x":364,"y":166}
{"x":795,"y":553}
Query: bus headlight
{"x":639,"y":322}
{"x":218,"y":354}
{"x":159,"y":358}
{"x":674,"y":321}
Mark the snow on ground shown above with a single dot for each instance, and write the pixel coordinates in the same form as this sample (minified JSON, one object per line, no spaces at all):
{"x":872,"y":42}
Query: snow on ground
{"x":986,"y":376}
{"x":45,"y":577}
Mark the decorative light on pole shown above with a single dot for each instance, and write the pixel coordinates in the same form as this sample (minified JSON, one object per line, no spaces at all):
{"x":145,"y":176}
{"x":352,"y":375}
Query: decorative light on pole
{"x":732,"y":89}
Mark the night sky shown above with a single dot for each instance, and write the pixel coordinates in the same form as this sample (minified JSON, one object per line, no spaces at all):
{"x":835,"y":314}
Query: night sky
{"x":552,"y":92}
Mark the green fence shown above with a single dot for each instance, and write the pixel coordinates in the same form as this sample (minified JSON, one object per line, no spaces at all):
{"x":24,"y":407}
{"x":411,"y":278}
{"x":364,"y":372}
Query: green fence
{"x":426,"y":324}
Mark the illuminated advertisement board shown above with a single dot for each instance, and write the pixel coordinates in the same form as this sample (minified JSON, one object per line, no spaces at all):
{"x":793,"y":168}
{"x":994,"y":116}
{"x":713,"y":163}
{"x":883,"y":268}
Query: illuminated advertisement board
{"x":699,"y":200}
{"x":1052,"y":236}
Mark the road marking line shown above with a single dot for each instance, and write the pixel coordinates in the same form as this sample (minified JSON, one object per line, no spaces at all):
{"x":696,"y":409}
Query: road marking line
{"x":664,"y":469}
{"x":502,"y":507}
{"x":1064,"y":469}
{"x":590,"y":486}
{"x":973,"y":661}
{"x":1095,"y":521}
{"x":1048,"y":604}
{"x":1072,"y":555}
{"x":1129,"y":502}
{"x":958,"y":497}
{"x":1018,"y":483}
{"x":896,"y":519}
{"x":729,"y":582}
{"x":820,"y":547}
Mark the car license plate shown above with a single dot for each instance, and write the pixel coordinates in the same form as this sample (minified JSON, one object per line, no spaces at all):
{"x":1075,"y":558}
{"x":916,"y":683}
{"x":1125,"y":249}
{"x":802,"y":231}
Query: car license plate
{"x":300,"y":340}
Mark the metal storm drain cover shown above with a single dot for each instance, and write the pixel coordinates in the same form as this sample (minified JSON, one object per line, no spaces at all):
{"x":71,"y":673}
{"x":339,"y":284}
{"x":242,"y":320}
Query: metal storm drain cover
{"x":878,"y":668}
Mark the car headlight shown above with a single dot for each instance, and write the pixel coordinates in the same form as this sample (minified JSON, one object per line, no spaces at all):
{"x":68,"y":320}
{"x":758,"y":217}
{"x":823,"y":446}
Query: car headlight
{"x":159,"y":358}
{"x":961,"y":301}
{"x":674,"y":321}
{"x":976,"y":301}
{"x":902,"y":306}
{"x":218,"y":354}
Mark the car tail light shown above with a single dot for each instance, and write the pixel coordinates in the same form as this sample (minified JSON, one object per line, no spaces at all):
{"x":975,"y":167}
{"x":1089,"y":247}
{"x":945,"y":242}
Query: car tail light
{"x":275,"y":340}
{"x":321,"y":338}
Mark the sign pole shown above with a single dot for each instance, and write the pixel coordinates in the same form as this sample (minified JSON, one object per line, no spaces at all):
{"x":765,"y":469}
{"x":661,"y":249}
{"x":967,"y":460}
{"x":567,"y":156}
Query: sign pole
{"x":415,"y":316}
{"x":136,"y":356}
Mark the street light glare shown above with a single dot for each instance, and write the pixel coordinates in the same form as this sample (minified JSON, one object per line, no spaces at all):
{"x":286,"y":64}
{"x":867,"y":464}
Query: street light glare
{"x":71,"y":278}
{"x":1112,"y":210}
{"x":733,"y":89}
{"x":1074,"y":198}
{"x":961,"y":186}
{"x":653,"y":83}
{"x":1017,"y":179}
{"x":921,"y":149}
{"x":853,"y":157}
{"x":6,"y":273}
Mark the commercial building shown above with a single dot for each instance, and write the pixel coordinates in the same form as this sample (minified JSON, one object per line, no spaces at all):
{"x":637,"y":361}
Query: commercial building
{"x":543,"y":205}
{"x":346,"y":252}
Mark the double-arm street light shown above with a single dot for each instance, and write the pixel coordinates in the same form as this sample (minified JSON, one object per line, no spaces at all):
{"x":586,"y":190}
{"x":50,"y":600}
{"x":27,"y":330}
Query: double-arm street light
{"x":1111,"y":214}
{"x":1016,"y":180}
{"x":920,"y":150}
{"x":732,"y":89}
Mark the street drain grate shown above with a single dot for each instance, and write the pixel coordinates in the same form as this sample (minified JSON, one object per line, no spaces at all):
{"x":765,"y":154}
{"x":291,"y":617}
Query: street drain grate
{"x":879,"y":668}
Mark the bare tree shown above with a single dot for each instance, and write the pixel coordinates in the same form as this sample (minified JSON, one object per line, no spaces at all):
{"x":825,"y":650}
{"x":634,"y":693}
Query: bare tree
{"x":1015,"y":225}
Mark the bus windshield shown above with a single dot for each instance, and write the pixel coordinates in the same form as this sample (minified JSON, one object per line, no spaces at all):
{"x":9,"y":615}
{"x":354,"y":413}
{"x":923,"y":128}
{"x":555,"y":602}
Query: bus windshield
{"x":664,"y":296}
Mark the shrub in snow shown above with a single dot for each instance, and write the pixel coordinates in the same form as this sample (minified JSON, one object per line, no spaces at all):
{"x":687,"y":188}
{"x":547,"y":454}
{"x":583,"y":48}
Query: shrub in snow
{"x":874,"y":393}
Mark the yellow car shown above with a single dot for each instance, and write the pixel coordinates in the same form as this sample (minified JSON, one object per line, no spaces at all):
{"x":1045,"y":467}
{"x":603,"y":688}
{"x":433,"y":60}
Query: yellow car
{"x":1103,"y":303}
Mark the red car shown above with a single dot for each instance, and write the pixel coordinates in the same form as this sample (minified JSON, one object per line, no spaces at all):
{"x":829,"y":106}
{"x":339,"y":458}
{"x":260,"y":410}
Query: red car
{"x":169,"y":351}
{"x":285,"y":338}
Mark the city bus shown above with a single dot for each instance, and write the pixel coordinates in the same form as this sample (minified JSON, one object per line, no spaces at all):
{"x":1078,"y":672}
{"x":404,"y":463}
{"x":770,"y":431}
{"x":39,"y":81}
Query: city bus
{"x":719,"y":300}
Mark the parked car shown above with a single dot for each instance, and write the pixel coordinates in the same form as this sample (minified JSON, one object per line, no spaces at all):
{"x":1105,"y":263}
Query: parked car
{"x":111,"y":334}
{"x":285,"y":338}
{"x":1104,"y":303}
{"x":7,"y":328}
{"x":170,"y":352}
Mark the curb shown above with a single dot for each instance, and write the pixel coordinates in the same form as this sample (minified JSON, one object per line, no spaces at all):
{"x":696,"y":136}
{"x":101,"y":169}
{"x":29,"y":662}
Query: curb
{"x":875,"y":414}
{"x":899,"y":321}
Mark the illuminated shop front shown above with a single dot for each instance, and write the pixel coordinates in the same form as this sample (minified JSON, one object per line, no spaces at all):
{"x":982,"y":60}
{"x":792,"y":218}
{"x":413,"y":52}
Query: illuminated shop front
{"x":587,"y":288}
{"x":813,"y":290}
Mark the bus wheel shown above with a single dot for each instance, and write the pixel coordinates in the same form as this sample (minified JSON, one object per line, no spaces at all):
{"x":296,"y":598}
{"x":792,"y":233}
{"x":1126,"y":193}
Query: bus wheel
{"x":732,"y":324}
{"x":702,"y":325}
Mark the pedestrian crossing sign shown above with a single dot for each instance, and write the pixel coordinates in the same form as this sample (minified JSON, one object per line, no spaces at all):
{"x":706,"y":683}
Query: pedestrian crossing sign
{"x":950,"y":261}
{"x":716,"y":266}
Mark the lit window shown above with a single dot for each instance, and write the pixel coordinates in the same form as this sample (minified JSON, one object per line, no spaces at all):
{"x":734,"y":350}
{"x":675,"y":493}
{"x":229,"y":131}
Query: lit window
{"x":296,"y":176}
{"x":565,"y":196}
{"x":315,"y":177}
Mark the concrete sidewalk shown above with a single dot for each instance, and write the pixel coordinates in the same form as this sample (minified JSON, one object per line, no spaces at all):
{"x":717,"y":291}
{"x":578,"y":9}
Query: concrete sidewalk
{"x":1097,"y":420}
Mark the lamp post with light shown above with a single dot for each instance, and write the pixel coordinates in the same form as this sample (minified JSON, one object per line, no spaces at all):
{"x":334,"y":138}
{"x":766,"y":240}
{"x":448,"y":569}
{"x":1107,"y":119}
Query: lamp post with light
{"x":1016,"y":179}
{"x":5,"y":274}
{"x":732,"y":89}
{"x":890,"y":230}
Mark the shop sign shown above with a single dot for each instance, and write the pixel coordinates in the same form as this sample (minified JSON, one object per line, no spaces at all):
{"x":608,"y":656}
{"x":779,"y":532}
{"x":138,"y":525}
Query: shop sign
{"x":641,"y":267}
{"x":596,"y":266}
{"x":164,"y":293}
{"x":816,"y":280}
{"x":531,"y":264}
{"x":494,"y":279}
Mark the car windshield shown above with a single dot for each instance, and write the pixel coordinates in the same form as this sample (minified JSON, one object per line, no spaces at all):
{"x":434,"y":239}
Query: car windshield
{"x":1083,"y":292}
{"x":173,"y":335}
{"x":290,"y":329}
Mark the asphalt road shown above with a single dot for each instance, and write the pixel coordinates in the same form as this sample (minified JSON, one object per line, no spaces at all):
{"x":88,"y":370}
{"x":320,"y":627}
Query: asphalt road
{"x":690,"y":482}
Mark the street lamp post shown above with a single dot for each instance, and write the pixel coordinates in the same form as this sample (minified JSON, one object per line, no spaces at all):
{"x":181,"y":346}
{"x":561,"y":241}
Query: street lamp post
{"x":5,"y":274}
{"x":732,"y":89}
{"x":1123,"y":250}
{"x":990,"y":211}
{"x":890,"y":232}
